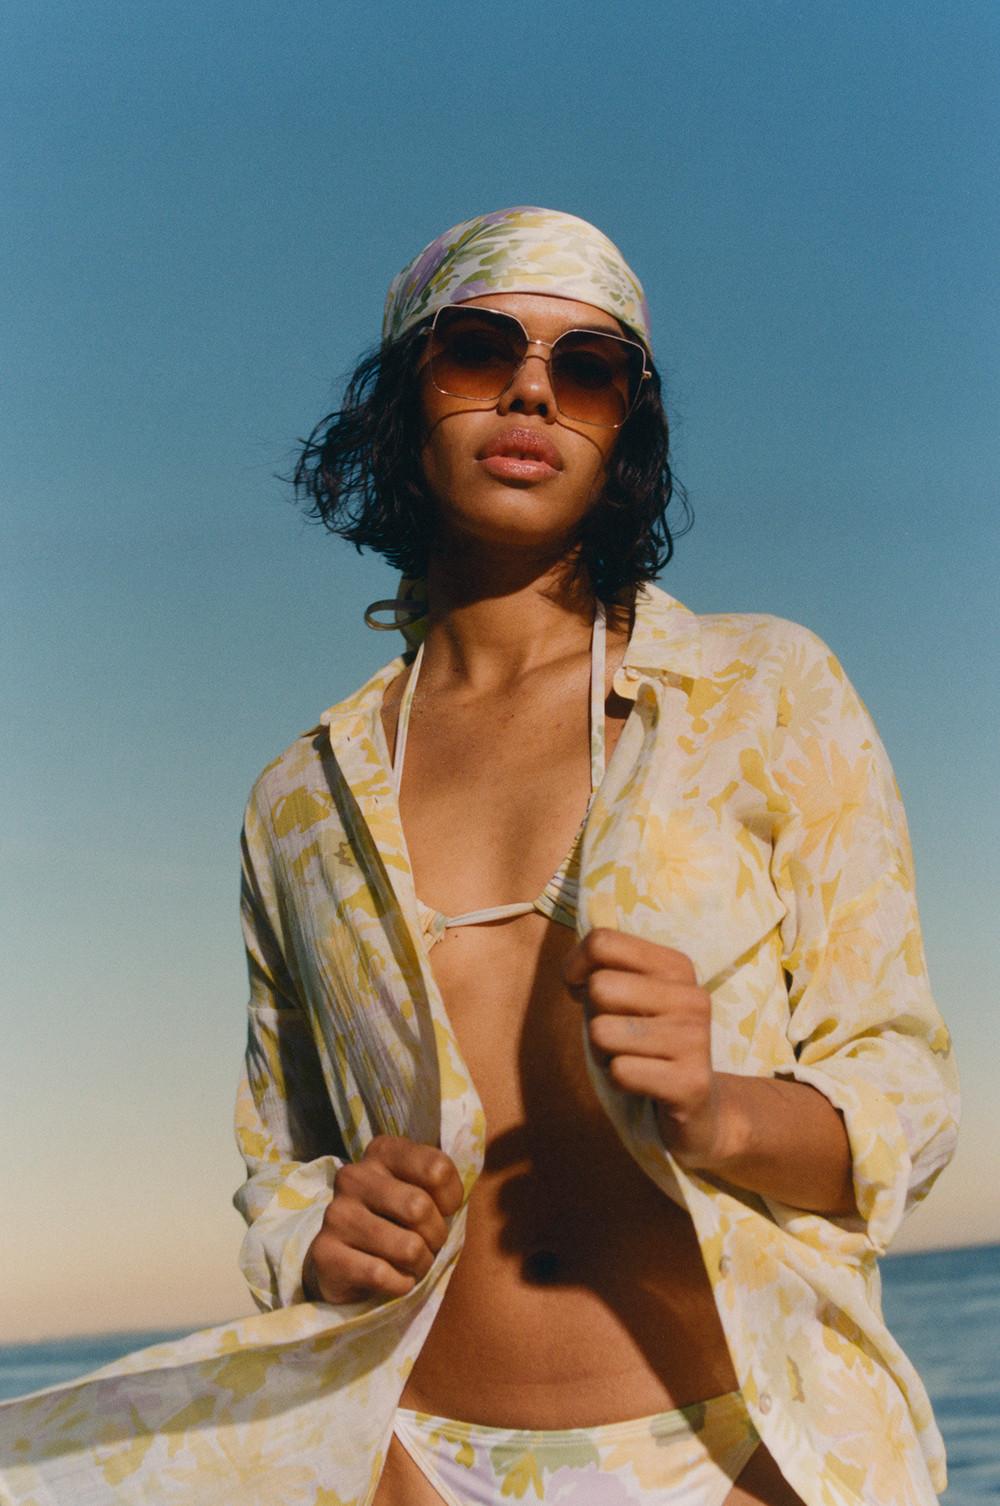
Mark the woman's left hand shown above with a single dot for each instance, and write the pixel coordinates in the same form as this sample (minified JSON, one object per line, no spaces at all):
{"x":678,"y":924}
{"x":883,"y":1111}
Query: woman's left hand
{"x":650,"y":1024}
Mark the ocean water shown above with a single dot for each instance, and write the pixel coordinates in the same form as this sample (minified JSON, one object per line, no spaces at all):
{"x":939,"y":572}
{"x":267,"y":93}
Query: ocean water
{"x":942,"y":1305}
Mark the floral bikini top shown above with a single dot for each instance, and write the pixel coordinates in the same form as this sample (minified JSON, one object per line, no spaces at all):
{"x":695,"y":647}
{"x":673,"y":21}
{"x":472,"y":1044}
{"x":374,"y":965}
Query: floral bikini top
{"x":558,"y":900}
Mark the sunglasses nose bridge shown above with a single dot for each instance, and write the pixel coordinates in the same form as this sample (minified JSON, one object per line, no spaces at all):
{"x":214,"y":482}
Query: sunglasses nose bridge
{"x":537,"y":386}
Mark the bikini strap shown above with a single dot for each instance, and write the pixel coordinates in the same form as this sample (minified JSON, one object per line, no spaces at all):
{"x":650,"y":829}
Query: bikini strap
{"x":598,"y":669}
{"x":403,"y":720}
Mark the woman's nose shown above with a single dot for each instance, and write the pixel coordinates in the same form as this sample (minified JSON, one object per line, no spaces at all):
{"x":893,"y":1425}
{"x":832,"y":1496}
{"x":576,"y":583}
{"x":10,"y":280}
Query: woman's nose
{"x":530,"y":389}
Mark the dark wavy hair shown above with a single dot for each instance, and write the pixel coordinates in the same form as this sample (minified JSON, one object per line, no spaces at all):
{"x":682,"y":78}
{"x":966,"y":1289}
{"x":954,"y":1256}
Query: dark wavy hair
{"x":361,"y":472}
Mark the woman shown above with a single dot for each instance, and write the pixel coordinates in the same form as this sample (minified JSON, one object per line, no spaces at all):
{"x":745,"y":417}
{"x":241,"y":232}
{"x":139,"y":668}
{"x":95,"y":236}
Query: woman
{"x":746,"y":1013}
{"x":591,"y":1058}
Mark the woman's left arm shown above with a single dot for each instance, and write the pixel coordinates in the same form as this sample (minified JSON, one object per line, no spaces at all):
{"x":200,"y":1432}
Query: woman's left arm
{"x":866,"y":1116}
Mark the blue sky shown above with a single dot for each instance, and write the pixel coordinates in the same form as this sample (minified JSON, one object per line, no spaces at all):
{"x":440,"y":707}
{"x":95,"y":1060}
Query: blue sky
{"x":205,"y":205}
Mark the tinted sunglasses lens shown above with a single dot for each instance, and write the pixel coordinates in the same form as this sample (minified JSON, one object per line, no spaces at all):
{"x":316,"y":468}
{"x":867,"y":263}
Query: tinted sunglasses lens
{"x":475,"y":353}
{"x":595,"y":377}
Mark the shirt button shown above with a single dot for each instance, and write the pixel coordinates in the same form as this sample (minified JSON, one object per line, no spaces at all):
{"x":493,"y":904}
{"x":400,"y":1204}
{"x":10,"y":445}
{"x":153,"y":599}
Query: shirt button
{"x":765,"y":1402}
{"x":724,"y":1265}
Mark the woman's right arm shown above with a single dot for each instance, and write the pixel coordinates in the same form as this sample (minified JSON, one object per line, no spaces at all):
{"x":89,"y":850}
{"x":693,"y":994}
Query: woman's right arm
{"x":320,"y":1227}
{"x":285,"y":1127}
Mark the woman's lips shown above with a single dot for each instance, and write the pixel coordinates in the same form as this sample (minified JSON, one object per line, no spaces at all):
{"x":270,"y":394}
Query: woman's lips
{"x":517,"y":468}
{"x":521,"y":455}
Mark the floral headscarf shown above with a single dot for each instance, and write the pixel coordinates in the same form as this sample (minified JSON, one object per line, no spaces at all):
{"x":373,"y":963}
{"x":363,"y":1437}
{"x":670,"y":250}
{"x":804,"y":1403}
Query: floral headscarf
{"x":522,"y":250}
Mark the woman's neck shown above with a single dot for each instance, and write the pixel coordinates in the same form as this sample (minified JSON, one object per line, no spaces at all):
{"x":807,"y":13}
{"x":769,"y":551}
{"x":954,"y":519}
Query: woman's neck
{"x":489,"y":631}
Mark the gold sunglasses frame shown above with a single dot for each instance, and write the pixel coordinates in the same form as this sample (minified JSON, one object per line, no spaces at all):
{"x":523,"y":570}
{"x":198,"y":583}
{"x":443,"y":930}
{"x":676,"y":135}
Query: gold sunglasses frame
{"x":549,"y":345}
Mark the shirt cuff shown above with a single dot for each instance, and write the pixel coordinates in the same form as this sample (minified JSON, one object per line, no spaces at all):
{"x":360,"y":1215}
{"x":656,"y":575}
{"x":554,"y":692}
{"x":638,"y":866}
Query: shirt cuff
{"x":880,"y":1156}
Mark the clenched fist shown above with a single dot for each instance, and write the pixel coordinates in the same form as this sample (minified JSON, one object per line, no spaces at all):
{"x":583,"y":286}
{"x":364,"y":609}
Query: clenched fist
{"x":385,"y":1224}
{"x":650,"y":1025}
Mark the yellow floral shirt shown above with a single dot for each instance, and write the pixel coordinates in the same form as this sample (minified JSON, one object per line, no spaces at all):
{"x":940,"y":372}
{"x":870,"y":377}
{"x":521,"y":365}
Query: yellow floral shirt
{"x":748,"y":817}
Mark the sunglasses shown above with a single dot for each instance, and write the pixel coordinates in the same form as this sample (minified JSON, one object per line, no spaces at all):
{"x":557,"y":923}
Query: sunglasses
{"x":477,"y":352}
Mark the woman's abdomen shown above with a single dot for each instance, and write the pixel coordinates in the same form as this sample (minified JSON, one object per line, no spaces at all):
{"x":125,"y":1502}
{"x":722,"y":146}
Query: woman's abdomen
{"x":580,"y":1296}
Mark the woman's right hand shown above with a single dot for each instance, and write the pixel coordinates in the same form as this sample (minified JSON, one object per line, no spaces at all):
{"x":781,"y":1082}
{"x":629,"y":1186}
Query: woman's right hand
{"x":385,"y":1223}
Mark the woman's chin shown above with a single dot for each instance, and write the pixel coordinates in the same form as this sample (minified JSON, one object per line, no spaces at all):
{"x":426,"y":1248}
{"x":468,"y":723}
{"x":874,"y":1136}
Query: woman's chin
{"x":510,"y":516}
{"x":506,"y":532}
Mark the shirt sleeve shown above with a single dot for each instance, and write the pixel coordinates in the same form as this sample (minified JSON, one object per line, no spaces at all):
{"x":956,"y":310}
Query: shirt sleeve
{"x":864,"y":1027}
{"x":285,"y":1126}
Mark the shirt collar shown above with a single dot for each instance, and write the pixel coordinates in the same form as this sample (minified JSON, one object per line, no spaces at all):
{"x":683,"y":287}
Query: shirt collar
{"x":359,"y":704}
{"x":666,"y":639}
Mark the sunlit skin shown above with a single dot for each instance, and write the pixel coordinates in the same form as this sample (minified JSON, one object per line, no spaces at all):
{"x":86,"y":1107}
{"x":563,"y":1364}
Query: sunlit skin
{"x":580,"y":1297}
{"x":532,"y":519}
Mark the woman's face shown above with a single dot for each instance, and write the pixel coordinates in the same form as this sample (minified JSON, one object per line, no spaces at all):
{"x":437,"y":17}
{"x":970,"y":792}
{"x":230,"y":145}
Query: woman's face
{"x":514,"y":473}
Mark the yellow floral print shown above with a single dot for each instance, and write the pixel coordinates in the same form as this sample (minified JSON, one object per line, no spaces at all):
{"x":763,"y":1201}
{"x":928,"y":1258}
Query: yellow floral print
{"x":750,"y":819}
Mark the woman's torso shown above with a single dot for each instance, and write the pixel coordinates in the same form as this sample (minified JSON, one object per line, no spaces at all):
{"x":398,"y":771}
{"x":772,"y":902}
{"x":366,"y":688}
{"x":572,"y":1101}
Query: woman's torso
{"x":580,"y":1296}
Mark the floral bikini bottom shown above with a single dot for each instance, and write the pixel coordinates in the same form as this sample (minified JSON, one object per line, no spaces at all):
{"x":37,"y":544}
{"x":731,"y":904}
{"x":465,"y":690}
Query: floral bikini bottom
{"x":689,"y":1457}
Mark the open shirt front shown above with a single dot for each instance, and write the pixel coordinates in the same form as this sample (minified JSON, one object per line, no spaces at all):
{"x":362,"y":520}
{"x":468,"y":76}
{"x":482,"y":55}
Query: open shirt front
{"x":749,"y":818}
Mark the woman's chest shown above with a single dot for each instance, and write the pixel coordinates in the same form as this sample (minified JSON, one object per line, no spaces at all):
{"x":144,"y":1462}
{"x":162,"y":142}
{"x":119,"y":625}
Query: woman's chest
{"x":490,"y":807}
